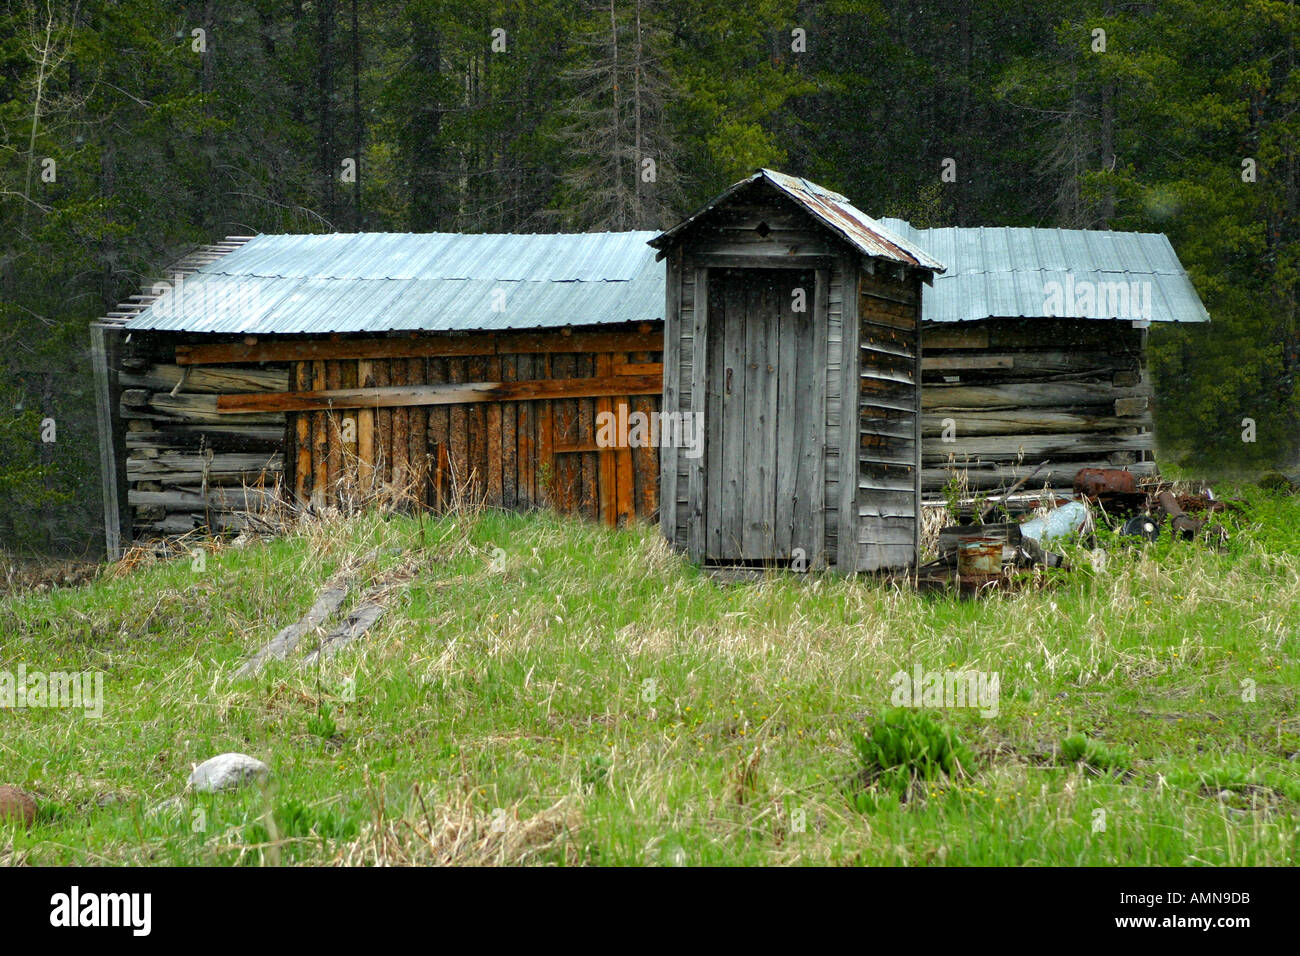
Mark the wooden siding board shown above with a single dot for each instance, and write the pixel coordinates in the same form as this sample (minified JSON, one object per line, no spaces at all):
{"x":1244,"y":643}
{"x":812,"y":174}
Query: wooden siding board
{"x":695,"y":538}
{"x":365,"y":431}
{"x":458,"y":424}
{"x":437,"y":439}
{"x":810,"y":509}
{"x":847,"y":553}
{"x":668,"y":452}
{"x":509,"y":372}
{"x":417,"y":433}
{"x":791,"y":337}
{"x":494,"y":457}
{"x":320,"y":443}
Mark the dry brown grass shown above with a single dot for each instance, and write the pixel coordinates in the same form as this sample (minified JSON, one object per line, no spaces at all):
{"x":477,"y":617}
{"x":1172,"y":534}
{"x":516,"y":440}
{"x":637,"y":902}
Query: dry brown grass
{"x":456,"y":832}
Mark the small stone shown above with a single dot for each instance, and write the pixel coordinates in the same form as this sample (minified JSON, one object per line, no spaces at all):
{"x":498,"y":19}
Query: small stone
{"x":1225,"y":794}
{"x":17,"y":805}
{"x":227,"y":772}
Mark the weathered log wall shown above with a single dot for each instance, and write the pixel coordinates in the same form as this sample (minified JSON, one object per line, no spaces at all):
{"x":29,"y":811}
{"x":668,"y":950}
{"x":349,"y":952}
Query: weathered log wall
{"x":214,"y":430}
{"x":188,"y":466}
{"x":1001,"y":396}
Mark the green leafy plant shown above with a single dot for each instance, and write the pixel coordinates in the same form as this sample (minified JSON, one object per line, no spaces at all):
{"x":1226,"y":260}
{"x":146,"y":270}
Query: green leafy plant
{"x":1079,"y":748}
{"x":323,"y":723}
{"x":906,"y":746}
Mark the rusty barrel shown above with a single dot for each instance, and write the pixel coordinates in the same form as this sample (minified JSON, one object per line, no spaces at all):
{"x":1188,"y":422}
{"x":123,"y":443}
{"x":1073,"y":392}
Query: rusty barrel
{"x":979,"y":554}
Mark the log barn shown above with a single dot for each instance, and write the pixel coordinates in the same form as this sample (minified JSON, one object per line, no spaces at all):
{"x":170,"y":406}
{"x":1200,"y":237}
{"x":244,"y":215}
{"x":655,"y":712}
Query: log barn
{"x":792,"y":326}
{"x":1035,"y":350}
{"x":318,"y":367}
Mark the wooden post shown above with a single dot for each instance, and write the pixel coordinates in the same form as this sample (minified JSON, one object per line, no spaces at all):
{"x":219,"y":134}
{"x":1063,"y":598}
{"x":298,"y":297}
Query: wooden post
{"x":101,"y":348}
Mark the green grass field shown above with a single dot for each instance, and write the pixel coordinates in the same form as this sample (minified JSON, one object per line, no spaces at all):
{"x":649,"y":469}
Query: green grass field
{"x":552,"y":692}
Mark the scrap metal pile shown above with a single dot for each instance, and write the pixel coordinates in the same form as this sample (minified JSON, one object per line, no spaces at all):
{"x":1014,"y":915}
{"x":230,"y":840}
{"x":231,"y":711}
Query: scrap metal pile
{"x":978,"y":556}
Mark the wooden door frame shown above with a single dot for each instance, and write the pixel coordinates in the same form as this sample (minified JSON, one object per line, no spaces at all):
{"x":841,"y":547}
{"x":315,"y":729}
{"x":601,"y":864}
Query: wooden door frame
{"x":697,"y":478}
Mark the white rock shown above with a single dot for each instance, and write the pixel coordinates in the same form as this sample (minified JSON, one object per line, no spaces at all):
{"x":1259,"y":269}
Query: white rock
{"x":227,"y":772}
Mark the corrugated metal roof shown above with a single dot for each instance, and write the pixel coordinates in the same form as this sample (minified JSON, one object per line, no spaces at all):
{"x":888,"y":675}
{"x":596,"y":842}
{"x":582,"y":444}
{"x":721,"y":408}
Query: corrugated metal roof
{"x":1071,"y":273}
{"x":439,"y":282}
{"x":834,"y":211}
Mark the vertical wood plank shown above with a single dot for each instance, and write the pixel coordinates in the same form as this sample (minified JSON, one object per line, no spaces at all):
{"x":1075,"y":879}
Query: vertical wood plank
{"x":695,"y":537}
{"x":527,"y":453}
{"x":645,"y":466}
{"x":320,"y":442}
{"x":724,"y":416}
{"x":916,"y":426}
{"x":476,"y":440}
{"x":349,"y":437}
{"x":509,"y":438}
{"x":401,"y":431}
{"x":383,"y":427}
{"x":334,"y":436}
{"x":672,"y":387}
{"x":302,"y":479}
{"x":589,"y":477}
{"x":417,"y":435}
{"x":365,"y":432}
{"x":458,"y":455}
{"x":730,"y":335}
{"x":850,"y":422}
{"x":439,"y":417}
{"x":752,"y":538}
{"x":564,"y":422}
{"x":778,"y":298}
{"x":606,"y":477}
{"x":544,"y":481}
{"x":812,"y":470}
{"x":792,"y":332}
{"x":494,"y":459}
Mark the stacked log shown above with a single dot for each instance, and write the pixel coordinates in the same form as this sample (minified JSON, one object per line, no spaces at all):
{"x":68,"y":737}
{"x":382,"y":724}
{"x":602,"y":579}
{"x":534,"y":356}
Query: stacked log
{"x":1001,"y":396}
{"x":189,"y":467}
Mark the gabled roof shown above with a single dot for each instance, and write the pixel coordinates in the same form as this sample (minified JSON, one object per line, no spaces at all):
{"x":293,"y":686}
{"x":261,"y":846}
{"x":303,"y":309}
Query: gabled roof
{"x":1026,"y":273}
{"x":831,"y":209}
{"x":381,"y":282}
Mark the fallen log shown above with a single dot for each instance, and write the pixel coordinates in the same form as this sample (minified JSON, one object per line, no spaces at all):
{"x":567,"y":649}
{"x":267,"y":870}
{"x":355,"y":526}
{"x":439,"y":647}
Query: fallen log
{"x":363,"y":617}
{"x":283,"y":644}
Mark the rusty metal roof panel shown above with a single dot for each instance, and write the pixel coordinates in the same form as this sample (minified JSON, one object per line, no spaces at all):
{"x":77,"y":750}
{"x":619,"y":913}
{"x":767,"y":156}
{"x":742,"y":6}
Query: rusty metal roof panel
{"x":868,"y":236}
{"x":380,"y":282}
{"x":1064,"y":273}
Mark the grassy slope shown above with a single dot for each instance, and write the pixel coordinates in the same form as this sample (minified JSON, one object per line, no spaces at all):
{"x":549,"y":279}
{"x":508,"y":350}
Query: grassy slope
{"x":502,"y":711}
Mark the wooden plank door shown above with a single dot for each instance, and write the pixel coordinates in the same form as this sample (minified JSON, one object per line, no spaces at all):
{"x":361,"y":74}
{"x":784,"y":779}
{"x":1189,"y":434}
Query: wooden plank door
{"x":763,"y":414}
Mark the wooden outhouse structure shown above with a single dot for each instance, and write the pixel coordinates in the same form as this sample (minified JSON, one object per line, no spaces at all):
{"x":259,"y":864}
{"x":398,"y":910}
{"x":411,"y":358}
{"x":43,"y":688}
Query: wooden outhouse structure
{"x":792,"y":331}
{"x":1035,"y":350}
{"x":323,"y":368}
